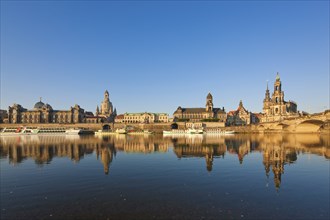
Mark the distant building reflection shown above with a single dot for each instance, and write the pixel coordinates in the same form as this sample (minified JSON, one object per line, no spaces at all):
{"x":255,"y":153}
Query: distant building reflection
{"x":138,"y":143}
{"x":275,"y":157}
{"x":277,"y":150}
{"x":42,"y":149}
{"x":198,"y":146}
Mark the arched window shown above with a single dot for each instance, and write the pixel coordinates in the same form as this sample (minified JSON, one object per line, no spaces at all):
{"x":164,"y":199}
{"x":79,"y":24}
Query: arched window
{"x":276,"y":100}
{"x":276,"y":88}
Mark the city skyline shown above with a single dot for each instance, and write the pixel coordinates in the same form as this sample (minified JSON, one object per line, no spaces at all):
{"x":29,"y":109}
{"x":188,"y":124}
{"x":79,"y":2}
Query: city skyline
{"x":156,"y":56}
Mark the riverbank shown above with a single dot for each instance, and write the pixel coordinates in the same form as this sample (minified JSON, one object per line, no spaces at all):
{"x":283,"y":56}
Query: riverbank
{"x":278,"y":127}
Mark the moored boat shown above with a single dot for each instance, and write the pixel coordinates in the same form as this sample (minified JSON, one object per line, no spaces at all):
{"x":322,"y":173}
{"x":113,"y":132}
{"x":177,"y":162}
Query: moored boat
{"x":175,"y":131}
{"x":194,"y":131}
{"x":219,"y":131}
{"x":18,"y":131}
{"x":121,"y":131}
{"x":43,"y":131}
{"x":75,"y":131}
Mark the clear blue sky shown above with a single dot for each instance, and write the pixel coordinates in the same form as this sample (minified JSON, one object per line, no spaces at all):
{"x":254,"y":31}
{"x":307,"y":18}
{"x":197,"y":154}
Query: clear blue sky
{"x":155,"y":56}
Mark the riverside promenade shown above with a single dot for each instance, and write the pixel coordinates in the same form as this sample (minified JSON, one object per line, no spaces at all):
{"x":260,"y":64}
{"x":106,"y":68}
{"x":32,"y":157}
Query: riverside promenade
{"x":315,"y":123}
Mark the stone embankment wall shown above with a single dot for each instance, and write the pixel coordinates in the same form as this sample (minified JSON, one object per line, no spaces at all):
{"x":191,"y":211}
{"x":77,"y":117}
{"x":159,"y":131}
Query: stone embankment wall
{"x":160,"y":127}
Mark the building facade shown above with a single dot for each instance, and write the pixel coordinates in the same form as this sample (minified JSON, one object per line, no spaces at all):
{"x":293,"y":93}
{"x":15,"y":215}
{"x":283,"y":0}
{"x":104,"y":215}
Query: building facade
{"x":209,"y":113}
{"x":239,"y":117}
{"x":44,"y":113}
{"x":275,"y":108}
{"x":3,"y":116}
{"x":145,"y":117}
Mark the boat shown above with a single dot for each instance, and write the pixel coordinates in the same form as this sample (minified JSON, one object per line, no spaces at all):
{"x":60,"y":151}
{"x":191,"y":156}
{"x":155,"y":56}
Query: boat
{"x":175,"y":131}
{"x":72,"y":131}
{"x":18,"y":131}
{"x":188,"y":131}
{"x":147,"y":132}
{"x":43,"y":131}
{"x":51,"y":130}
{"x":86,"y":131}
{"x":75,"y":131}
{"x":140,"y":132}
{"x":194,"y":131}
{"x":219,"y":131}
{"x":121,"y":131}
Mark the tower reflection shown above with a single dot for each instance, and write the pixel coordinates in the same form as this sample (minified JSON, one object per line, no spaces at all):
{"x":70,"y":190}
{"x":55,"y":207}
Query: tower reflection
{"x":277,"y":150}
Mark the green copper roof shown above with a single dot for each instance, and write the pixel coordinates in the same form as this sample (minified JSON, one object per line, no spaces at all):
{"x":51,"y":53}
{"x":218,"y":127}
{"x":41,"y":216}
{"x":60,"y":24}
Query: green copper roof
{"x":277,"y":77}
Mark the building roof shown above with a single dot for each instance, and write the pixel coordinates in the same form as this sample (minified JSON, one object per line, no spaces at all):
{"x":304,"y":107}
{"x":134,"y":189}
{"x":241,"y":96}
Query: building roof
{"x":89,"y":113}
{"x":39,"y":104}
{"x":120,"y":116}
{"x":231,"y":113}
{"x":142,"y":113}
{"x":196,"y":110}
{"x":240,"y":108}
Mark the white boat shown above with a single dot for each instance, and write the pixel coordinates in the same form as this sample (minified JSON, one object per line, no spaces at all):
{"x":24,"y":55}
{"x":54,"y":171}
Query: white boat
{"x":175,"y":131}
{"x":72,"y":131}
{"x":51,"y":130}
{"x":219,"y":131}
{"x":76,"y":131}
{"x":18,"y":131}
{"x":194,"y":131}
{"x":147,"y":132}
{"x":121,"y":131}
{"x":140,"y":132}
{"x":42,"y":131}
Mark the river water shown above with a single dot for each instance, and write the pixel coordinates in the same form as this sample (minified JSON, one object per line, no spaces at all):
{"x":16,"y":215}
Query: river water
{"x":170,"y":177}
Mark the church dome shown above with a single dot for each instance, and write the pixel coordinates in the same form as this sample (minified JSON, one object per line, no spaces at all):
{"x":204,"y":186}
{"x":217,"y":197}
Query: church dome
{"x":39,"y":104}
{"x":209,"y":96}
{"x":47,"y":106}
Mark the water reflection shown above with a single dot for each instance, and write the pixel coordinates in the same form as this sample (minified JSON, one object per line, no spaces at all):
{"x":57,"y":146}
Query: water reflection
{"x":277,"y":150}
{"x":172,"y":177}
{"x":42,"y":149}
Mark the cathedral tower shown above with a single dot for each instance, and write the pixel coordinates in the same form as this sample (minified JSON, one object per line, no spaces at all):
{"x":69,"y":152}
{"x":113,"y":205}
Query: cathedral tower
{"x":106,"y":105}
{"x":267,"y":101}
{"x":278,"y":97}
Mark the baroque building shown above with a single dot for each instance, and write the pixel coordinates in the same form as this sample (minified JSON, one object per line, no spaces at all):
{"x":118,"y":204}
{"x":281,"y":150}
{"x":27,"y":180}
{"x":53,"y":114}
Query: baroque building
{"x":275,"y":108}
{"x":209,"y":113}
{"x":44,"y":113}
{"x":106,"y":110}
{"x":145,"y":117}
{"x":239,"y":117}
